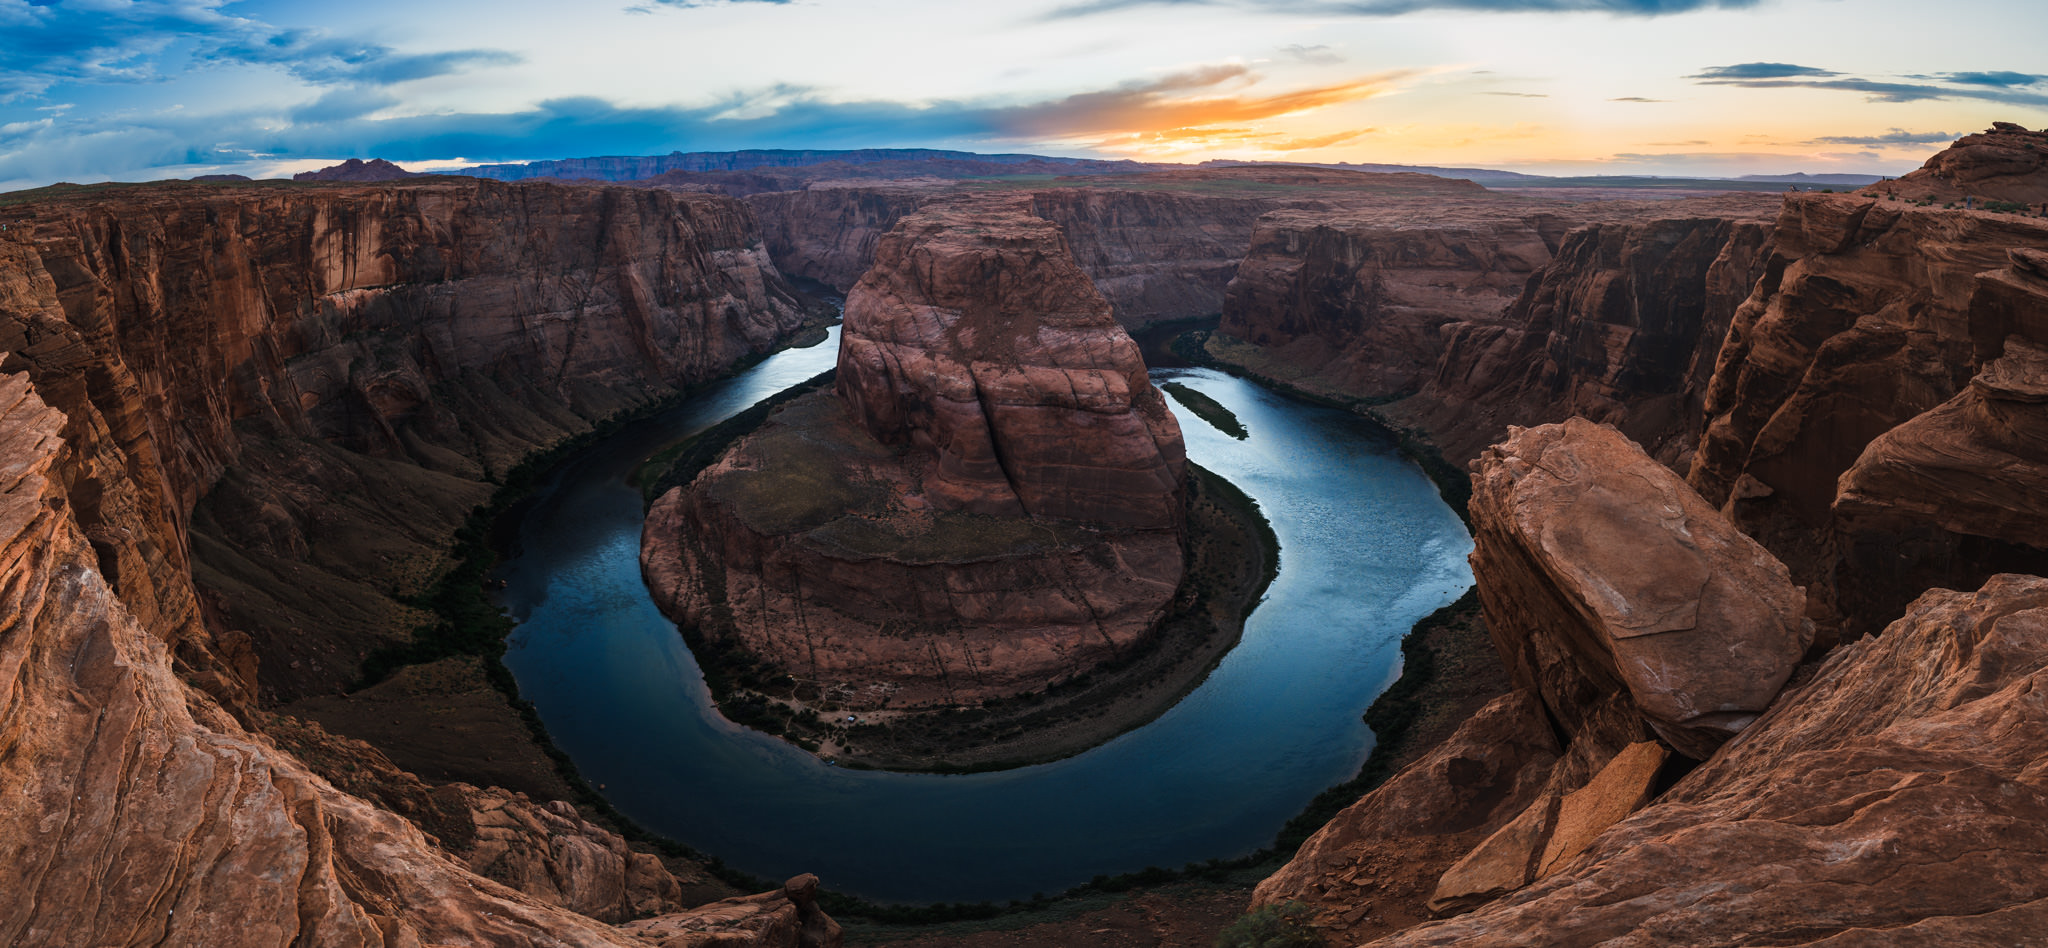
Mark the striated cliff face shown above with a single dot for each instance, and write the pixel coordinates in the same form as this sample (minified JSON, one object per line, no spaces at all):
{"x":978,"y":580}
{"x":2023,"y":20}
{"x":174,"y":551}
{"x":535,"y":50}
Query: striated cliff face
{"x":1471,"y":313}
{"x":1356,"y":305}
{"x":976,"y":336}
{"x":1159,"y":246}
{"x":1622,"y":327}
{"x":1865,"y":319}
{"x":232,"y":359}
{"x":138,"y":812}
{"x":990,"y":504}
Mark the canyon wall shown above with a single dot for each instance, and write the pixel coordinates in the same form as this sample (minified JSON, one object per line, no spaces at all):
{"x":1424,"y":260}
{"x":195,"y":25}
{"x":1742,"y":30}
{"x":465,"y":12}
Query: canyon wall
{"x":990,"y":502}
{"x":1463,"y":315}
{"x":1874,"y":428}
{"x":294,"y":394}
{"x":1160,"y":246}
{"x":140,"y":813}
{"x":1622,"y":326}
{"x":1866,"y":319}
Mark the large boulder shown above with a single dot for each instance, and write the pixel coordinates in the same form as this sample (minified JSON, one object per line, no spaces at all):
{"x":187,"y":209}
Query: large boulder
{"x":1606,"y":579}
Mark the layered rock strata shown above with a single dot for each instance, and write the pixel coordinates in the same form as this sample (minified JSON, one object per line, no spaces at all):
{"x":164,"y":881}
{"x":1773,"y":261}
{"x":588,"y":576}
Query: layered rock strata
{"x":137,"y":812}
{"x":1865,"y":320}
{"x":1622,"y":326}
{"x":231,"y":359}
{"x":1894,"y":798}
{"x":1160,"y":246}
{"x":990,"y":503}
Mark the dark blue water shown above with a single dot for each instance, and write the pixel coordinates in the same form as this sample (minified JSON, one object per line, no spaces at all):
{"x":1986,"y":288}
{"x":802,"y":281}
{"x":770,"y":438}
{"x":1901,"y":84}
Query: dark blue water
{"x":1367,"y":548}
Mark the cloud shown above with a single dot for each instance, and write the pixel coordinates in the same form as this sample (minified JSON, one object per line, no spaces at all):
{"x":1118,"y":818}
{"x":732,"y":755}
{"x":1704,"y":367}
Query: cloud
{"x":1743,"y":72}
{"x":1319,"y":8}
{"x":1220,"y":102}
{"x":1987,"y":86}
{"x":2003,"y":80}
{"x":47,"y":42}
{"x":1897,"y":136}
{"x":1636,"y":98}
{"x":653,"y":6}
{"x":1182,"y":100}
{"x":1314,"y":55}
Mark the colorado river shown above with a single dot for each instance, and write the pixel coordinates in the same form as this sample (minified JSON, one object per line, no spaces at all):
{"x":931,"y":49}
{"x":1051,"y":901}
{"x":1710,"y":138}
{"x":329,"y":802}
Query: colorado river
{"x":1367,"y":548}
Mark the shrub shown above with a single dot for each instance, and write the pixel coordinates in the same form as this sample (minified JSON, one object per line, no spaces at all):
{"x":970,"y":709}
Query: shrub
{"x":1275,"y":926}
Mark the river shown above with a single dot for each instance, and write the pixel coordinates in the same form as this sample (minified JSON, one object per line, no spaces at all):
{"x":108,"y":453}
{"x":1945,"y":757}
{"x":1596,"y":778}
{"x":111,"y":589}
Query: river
{"x":1366,"y":548}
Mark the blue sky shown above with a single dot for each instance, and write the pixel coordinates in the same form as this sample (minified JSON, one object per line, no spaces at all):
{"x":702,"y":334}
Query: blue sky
{"x":133,"y":89}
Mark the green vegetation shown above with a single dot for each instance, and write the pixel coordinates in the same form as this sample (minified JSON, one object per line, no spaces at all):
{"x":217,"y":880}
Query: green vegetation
{"x":1207,"y":409}
{"x":1275,"y":926}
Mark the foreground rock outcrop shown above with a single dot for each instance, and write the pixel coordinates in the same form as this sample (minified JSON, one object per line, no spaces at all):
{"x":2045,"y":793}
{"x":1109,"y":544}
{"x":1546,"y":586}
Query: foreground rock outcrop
{"x":989,"y":505}
{"x":138,"y":812}
{"x":1894,"y":798}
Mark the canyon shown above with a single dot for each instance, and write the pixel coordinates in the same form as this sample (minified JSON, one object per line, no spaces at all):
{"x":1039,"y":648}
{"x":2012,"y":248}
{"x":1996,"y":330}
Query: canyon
{"x":1806,"y":431}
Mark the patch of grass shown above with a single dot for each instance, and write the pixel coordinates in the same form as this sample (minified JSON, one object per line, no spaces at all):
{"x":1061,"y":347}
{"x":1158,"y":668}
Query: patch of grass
{"x":1286,"y":925}
{"x":1207,"y":409}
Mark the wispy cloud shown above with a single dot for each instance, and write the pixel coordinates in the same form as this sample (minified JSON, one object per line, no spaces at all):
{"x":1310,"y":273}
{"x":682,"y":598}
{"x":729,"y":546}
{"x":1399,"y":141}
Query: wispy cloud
{"x":654,"y":6}
{"x":2003,"y":80}
{"x":1636,"y":98}
{"x":121,"y":41}
{"x":1314,"y":55}
{"x":1897,"y":136}
{"x":1398,"y":7}
{"x":1216,"y":103}
{"x":1985,"y":86}
{"x":1745,"y":72}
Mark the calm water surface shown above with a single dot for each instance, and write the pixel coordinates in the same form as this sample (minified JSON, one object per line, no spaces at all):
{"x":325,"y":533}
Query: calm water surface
{"x":1367,"y":548}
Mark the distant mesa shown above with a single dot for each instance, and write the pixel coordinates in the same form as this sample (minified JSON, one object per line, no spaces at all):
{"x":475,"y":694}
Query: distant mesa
{"x":215,"y":178}
{"x":357,"y":170}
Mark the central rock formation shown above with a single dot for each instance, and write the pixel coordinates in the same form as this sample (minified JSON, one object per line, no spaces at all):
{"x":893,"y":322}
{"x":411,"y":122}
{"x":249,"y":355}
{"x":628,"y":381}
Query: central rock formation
{"x":991,"y":504}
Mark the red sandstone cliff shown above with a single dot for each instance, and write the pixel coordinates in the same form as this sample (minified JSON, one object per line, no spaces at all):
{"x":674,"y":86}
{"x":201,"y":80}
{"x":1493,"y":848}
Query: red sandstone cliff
{"x":990,"y":505}
{"x":1865,"y":320}
{"x":138,"y":812}
{"x":231,"y":359}
{"x":1159,"y":246}
{"x":1622,"y":327}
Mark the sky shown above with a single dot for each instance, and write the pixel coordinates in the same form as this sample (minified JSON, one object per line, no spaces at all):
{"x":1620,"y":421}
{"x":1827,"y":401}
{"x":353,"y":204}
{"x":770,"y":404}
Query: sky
{"x":97,"y":90}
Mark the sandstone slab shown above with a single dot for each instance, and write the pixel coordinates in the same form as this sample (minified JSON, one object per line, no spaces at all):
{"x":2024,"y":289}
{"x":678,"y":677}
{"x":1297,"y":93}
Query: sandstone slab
{"x":1603,"y":575}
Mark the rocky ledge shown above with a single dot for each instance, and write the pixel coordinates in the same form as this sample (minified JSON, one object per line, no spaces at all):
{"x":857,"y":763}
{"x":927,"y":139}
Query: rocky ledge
{"x":989,"y":504}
